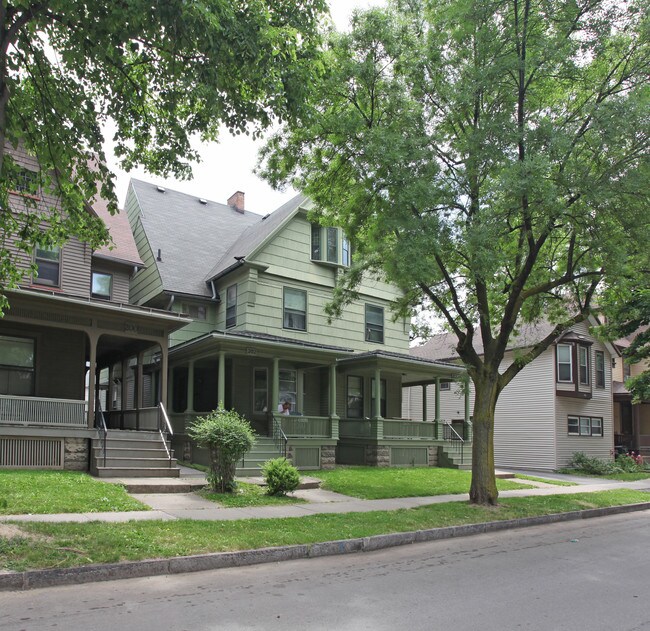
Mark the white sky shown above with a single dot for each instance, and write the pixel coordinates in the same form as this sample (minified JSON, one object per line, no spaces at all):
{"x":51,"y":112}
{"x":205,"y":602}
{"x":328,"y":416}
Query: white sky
{"x":227,"y":166}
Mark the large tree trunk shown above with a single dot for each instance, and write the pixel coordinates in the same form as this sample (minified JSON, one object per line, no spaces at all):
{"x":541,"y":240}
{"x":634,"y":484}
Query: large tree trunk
{"x":484,"y":486}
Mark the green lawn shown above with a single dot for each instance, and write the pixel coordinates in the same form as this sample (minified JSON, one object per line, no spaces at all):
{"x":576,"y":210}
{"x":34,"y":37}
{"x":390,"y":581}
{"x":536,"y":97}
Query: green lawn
{"x":43,"y":545}
{"x":247,"y":495}
{"x":42,"y":492}
{"x":373,"y":483}
{"x":623,"y":477}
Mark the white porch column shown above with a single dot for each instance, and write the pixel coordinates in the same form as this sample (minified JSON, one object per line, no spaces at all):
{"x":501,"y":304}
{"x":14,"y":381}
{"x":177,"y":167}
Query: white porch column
{"x":92,"y":367}
{"x":221,"y":380}
{"x":164,"y":375}
{"x":189,"y":406}
{"x":275,"y":386}
{"x":437,"y":401}
{"x":424,"y":402}
{"x":332,"y":402}
{"x":376,"y":412}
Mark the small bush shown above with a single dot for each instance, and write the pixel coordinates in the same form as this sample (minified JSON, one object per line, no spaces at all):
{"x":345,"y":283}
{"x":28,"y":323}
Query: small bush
{"x":228,"y":436}
{"x":630,"y":463}
{"x":589,"y":464}
{"x":280,"y":476}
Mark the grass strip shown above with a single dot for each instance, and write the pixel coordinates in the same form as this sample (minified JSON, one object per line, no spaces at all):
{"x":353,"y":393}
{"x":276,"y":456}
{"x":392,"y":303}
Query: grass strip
{"x":554,"y":482}
{"x":373,"y":483}
{"x":44,"y":545}
{"x":622,"y":477}
{"x":47,"y":492}
{"x":248,"y":495}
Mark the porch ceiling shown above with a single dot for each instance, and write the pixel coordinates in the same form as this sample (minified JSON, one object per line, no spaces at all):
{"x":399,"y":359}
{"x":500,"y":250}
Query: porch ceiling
{"x":256,"y":345}
{"x":414,"y":371}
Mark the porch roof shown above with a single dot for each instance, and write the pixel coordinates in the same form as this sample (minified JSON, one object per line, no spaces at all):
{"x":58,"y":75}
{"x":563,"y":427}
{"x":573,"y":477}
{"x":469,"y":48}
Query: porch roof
{"x":415,"y":370}
{"x":253,"y":343}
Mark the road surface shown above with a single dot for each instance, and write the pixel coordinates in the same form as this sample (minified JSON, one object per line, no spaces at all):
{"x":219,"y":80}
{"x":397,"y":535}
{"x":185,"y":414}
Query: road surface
{"x":592,"y":575}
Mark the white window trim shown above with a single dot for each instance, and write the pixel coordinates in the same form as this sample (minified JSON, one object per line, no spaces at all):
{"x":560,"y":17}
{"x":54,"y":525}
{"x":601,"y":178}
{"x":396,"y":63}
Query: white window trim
{"x":570,"y":363}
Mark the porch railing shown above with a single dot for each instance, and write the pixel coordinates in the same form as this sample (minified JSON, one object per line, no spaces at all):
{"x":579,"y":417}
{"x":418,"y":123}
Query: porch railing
{"x":100,"y":424}
{"x":410,"y":430}
{"x":165,"y":429}
{"x":305,"y":426}
{"x":279,"y":437}
{"x":42,"y":411}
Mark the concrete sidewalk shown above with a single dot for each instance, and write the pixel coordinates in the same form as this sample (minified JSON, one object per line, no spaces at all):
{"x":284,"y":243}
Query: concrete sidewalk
{"x":166,"y":506}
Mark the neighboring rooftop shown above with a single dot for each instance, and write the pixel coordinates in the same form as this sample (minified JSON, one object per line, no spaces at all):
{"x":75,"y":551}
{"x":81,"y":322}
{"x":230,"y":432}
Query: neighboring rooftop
{"x":187,"y":255}
{"x":442,"y":347}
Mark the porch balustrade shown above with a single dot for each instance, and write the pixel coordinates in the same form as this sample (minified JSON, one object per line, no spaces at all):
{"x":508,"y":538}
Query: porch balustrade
{"x":42,"y":411}
{"x":305,"y":426}
{"x":396,"y":429}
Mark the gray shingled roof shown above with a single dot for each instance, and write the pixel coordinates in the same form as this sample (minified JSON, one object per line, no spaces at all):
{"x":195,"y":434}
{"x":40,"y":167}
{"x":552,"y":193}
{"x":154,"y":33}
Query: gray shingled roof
{"x":443,"y":345}
{"x":190,"y":235}
{"x":254,"y":236}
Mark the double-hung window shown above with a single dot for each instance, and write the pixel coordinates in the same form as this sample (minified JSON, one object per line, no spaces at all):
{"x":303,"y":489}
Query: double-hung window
{"x":564,"y":363}
{"x":16,"y":365}
{"x":583,"y":365}
{"x":48,"y":264}
{"x":600,"y":369}
{"x":295,"y":309}
{"x":231,"y":306}
{"x":332,"y":245}
{"x":585,"y":426}
{"x":374,"y":324}
{"x":355,"y":397}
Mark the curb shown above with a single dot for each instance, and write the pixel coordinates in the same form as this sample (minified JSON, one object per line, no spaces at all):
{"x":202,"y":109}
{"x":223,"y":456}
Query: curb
{"x":34,"y":579}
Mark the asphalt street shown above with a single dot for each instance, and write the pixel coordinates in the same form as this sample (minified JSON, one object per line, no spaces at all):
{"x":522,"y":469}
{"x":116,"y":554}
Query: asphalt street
{"x":590,"y":575}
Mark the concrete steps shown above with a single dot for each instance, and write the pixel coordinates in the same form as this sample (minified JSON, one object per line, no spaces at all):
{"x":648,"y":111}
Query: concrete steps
{"x":449,"y":456}
{"x":263,"y":450}
{"x":132,"y":454}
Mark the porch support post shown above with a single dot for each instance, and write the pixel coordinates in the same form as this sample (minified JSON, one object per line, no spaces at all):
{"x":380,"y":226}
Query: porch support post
{"x":124,"y":391}
{"x":437,"y":409}
{"x":170,"y":386}
{"x":424,"y":402}
{"x":636,"y":427}
{"x":376,"y":413}
{"x":140,"y":382}
{"x":109,"y":390}
{"x":221,"y":379}
{"x":275,"y":386}
{"x":334,"y":418}
{"x":92,"y":368}
{"x":164,"y":371}
{"x":189,"y":406}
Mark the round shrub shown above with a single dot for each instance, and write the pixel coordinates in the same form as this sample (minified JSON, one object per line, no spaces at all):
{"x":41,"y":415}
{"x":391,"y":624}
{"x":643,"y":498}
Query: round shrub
{"x":228,"y":436}
{"x":281,"y":476}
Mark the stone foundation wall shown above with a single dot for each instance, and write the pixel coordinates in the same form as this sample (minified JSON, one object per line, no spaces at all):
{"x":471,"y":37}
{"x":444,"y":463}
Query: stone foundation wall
{"x":433,"y":455}
{"x":76,"y":454}
{"x":327,"y":456}
{"x":377,"y":456}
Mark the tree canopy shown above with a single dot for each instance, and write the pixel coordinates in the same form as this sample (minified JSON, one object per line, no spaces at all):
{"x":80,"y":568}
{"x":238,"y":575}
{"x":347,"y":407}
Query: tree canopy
{"x":490,"y":158}
{"x":163,"y":71}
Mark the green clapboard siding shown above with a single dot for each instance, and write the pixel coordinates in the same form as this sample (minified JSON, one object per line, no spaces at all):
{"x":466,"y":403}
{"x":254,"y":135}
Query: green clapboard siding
{"x":307,"y":457}
{"x":409,"y":456}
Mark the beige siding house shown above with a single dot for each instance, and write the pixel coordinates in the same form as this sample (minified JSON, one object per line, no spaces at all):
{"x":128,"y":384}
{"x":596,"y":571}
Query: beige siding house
{"x":260,"y":341}
{"x":558,"y":404}
{"x":67,"y":324}
{"x":631,"y":421}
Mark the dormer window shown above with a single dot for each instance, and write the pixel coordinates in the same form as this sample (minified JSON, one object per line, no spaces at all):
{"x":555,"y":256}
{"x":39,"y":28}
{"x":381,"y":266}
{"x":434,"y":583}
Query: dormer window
{"x":330,"y":245}
{"x":583,"y":365}
{"x":48,"y":265}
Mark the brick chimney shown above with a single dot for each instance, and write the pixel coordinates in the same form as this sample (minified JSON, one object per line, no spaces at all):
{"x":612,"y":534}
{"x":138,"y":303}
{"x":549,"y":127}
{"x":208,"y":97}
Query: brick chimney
{"x":236,"y":201}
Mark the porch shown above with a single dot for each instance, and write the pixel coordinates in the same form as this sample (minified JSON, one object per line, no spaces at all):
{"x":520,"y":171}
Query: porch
{"x":65,"y":360}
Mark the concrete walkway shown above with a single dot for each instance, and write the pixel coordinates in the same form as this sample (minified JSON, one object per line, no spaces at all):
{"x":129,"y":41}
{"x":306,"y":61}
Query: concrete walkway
{"x":172,"y":506}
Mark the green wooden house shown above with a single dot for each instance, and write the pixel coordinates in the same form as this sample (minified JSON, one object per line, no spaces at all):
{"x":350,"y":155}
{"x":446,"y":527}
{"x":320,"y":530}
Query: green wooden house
{"x":260,"y":341}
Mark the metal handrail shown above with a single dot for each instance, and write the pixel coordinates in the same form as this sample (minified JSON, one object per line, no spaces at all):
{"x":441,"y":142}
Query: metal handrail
{"x":279,"y":437}
{"x":163,"y":416}
{"x":99,"y":413}
{"x":455,"y":438}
